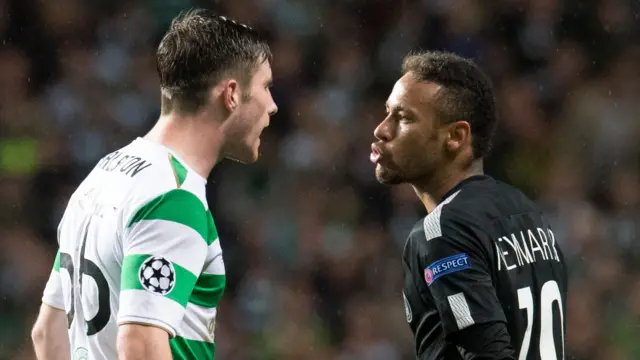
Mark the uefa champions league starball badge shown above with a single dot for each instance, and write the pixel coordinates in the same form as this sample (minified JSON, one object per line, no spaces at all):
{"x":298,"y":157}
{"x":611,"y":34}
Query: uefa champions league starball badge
{"x":157,"y":275}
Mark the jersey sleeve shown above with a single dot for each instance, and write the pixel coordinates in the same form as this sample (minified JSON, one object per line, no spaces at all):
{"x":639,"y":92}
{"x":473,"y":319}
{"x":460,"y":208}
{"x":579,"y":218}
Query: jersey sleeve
{"x":458,"y":274}
{"x":490,"y":341}
{"x":53,"y":295}
{"x":164,"y":246}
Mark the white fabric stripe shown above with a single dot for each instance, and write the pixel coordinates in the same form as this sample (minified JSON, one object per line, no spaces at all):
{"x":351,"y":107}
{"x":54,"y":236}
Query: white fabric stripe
{"x":173,"y":241}
{"x":432,"y":227}
{"x":195,"y":184}
{"x":216,"y":265}
{"x":147,"y":321}
{"x":52,"y":295}
{"x":461,"y":311}
{"x":198,"y":323}
{"x":215,"y":248}
{"x":143,"y":306}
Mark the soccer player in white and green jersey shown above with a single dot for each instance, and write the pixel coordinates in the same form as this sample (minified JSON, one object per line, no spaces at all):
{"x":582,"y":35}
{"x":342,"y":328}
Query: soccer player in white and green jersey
{"x":139,"y":271}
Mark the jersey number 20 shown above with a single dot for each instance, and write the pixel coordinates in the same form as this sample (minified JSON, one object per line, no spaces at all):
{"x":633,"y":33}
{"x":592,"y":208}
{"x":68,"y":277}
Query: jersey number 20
{"x":88,"y":268}
{"x":549,"y":294}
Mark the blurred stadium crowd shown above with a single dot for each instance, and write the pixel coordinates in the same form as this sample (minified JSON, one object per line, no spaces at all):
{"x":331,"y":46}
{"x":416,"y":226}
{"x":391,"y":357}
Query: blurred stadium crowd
{"x":312,"y":243}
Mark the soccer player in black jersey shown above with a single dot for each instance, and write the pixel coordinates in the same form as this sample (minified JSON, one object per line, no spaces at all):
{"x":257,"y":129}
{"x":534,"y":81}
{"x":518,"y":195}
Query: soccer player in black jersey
{"x":484,"y":274}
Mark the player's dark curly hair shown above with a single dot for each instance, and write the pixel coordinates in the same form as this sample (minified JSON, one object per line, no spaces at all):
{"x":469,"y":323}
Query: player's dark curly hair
{"x":466,"y":94}
{"x":200,"y":49}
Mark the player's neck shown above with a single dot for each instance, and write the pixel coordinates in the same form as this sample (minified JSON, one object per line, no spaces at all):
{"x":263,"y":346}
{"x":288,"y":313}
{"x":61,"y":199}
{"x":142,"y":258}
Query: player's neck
{"x":432,"y":191}
{"x":196,"y":141}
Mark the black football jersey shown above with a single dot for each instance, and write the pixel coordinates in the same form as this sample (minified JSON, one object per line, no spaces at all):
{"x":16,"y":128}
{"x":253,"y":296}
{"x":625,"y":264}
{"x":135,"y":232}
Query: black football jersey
{"x":485,"y":254}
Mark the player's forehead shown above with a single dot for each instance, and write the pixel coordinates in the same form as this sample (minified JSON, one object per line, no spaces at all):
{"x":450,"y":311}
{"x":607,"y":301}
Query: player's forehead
{"x":410,"y":94}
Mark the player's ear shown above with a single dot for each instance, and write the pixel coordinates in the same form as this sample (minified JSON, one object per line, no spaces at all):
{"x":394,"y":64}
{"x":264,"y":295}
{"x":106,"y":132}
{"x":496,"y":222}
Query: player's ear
{"x":231,"y":95}
{"x":458,"y":134}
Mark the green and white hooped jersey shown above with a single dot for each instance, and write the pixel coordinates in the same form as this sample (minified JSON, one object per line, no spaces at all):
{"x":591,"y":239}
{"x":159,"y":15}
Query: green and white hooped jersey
{"x":138,"y":244}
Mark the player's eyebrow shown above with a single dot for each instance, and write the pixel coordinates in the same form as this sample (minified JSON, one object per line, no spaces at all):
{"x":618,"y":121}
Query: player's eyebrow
{"x":396,"y":108}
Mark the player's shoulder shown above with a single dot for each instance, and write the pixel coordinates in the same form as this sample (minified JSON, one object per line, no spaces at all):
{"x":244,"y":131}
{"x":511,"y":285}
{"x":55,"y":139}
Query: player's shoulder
{"x":466,"y":218}
{"x":471,"y":207}
{"x":169,"y":177}
{"x":480,"y":200}
{"x":143,"y":173}
{"x":415,"y":240}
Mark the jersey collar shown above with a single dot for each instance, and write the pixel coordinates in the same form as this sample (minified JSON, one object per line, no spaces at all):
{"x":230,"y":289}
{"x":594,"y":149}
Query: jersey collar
{"x":462,"y":184}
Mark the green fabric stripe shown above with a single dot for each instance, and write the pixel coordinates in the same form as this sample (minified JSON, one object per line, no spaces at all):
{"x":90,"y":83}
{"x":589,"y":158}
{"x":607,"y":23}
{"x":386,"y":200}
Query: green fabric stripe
{"x":185,"y":349}
{"x":179,"y":169}
{"x":213,"y":231}
{"x":56,"y":262}
{"x":178,"y":206}
{"x":130,"y":279}
{"x":208,"y":290}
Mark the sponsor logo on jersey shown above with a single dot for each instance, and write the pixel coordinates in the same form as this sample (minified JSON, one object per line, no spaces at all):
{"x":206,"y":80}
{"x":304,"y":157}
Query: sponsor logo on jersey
{"x":157,"y":275}
{"x":446,"y":266}
{"x":407,"y":308}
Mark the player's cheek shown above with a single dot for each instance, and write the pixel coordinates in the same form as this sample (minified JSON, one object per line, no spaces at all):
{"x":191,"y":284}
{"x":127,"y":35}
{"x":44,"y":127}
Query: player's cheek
{"x":421,"y":159}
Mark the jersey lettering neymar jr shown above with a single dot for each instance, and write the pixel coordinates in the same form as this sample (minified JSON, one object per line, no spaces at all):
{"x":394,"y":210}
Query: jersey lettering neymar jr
{"x":138,"y":244}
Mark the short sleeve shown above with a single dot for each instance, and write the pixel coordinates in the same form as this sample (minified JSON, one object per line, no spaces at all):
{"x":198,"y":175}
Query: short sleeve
{"x":164,"y":246}
{"x":457,"y":272}
{"x":53,"y":295}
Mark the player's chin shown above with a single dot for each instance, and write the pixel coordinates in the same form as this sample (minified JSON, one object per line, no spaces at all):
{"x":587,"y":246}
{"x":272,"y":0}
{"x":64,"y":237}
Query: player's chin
{"x":255,"y":151}
{"x":253,"y":158}
{"x":248,"y":158}
{"x":246,"y":155}
{"x":251,"y":153}
{"x":386,"y":176}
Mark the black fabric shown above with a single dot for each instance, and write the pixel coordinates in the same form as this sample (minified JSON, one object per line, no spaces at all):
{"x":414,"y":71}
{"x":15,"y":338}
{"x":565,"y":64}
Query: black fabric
{"x":488,"y":341}
{"x":486,"y":255}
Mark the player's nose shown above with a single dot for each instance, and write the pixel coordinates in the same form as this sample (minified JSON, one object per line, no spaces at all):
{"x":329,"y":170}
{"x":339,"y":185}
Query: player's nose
{"x":273,"y":109}
{"x":382,"y":131}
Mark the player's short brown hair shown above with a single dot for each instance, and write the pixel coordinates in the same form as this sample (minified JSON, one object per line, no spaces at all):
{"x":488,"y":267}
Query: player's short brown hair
{"x":198,"y":50}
